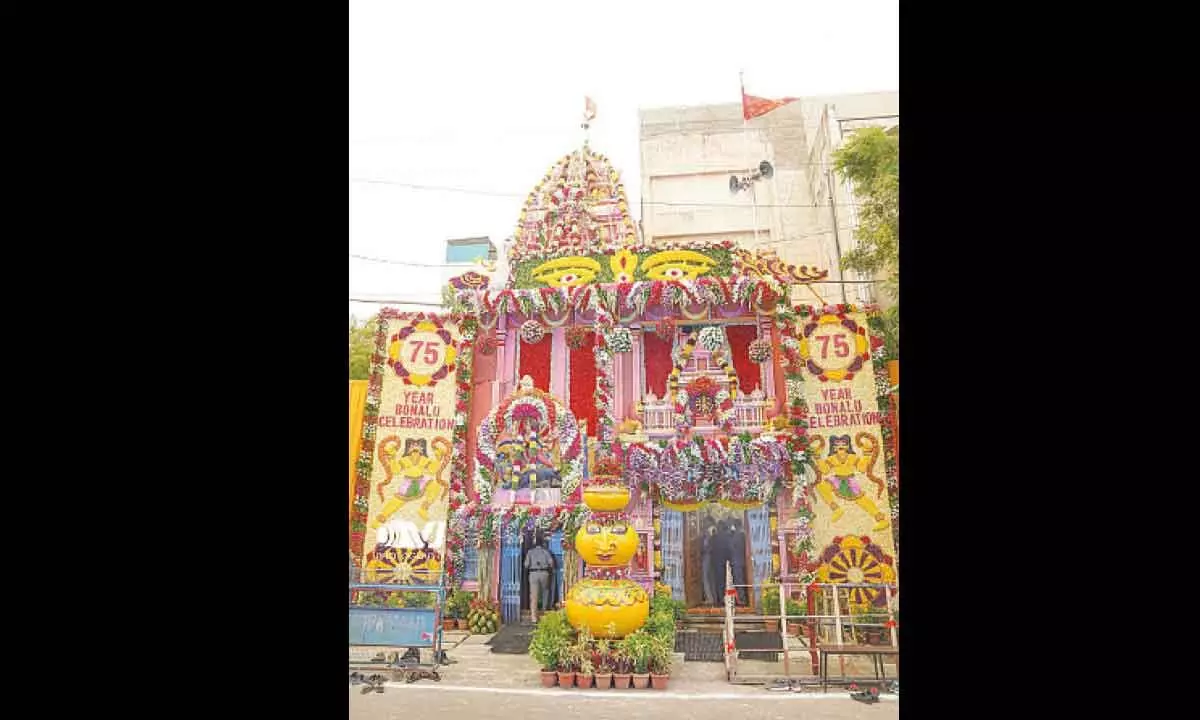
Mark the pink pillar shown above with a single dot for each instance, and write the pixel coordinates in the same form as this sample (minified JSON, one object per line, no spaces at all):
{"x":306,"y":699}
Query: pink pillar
{"x":638,"y":383}
{"x":765,"y":330}
{"x":507,"y":374}
{"x":558,"y":364}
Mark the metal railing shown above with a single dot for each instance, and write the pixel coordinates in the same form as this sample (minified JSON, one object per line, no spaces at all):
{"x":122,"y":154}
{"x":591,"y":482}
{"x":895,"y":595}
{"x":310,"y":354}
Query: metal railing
{"x":816,"y":622}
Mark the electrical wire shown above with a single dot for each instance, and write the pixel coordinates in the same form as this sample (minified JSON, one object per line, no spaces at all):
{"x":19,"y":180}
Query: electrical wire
{"x":489,"y":193}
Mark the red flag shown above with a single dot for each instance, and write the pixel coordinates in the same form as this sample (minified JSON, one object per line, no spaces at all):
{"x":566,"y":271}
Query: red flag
{"x":753,"y":106}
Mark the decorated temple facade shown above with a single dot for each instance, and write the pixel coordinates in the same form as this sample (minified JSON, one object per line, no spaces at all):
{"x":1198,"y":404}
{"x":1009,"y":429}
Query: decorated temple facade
{"x":679,"y":371}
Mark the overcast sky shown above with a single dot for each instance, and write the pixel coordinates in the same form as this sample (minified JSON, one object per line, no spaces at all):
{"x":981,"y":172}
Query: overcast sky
{"x":486,"y":95}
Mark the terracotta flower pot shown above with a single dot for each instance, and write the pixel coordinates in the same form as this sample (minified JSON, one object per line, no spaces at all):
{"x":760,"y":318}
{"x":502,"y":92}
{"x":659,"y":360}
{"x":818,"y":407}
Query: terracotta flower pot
{"x":464,"y":624}
{"x":659,"y":682}
{"x":566,"y":679}
{"x":604,"y":681}
{"x":771,"y":625}
{"x":641,"y":680}
{"x":583,"y":681}
{"x":449,"y":624}
{"x":621,"y":680}
{"x":549,"y":677}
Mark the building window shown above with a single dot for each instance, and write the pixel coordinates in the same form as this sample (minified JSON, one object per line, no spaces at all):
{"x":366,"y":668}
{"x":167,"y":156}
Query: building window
{"x":470,"y":250}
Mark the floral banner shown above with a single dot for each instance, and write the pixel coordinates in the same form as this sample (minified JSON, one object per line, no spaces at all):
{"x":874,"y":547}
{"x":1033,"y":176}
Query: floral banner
{"x":412,"y":425}
{"x":837,"y":359}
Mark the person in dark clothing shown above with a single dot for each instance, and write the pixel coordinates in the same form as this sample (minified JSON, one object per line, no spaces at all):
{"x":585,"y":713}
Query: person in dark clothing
{"x":706,"y":565}
{"x":721,"y":552}
{"x":539,"y":563}
{"x":737,"y":549}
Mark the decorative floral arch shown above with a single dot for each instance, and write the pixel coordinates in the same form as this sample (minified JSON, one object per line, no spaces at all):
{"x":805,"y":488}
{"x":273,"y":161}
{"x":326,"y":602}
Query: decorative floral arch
{"x":528,"y":410}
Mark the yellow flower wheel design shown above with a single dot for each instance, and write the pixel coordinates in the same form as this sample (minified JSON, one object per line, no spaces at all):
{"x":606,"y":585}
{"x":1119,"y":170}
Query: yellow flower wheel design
{"x":403,"y":566}
{"x":856,"y":560}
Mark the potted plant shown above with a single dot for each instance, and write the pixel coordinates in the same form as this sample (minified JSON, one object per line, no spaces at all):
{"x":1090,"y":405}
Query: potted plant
{"x":637,"y":646}
{"x":622,"y":669}
{"x":660,"y":662}
{"x":584,"y":666}
{"x":546,"y":644}
{"x":795,"y":611}
{"x":567,"y":658}
{"x":603,"y":660}
{"x":770,"y":606}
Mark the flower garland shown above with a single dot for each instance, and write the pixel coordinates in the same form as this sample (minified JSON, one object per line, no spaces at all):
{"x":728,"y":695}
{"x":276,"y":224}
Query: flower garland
{"x":802,"y":463}
{"x":702,"y":294}
{"x":605,"y":381}
{"x":741,"y":472}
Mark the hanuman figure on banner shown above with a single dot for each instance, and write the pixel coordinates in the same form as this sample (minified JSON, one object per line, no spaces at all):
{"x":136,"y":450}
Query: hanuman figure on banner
{"x":840,"y":475}
{"x":421,"y":475}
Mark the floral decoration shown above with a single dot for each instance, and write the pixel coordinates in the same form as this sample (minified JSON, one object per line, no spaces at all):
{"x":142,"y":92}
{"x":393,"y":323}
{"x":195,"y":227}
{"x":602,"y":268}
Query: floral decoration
{"x":577,"y":336}
{"x":712,"y":338}
{"x":532,"y":332}
{"x":665,"y":329}
{"x":620,"y":340}
{"x":759,"y":351}
{"x":464,"y":358}
{"x":631,"y":300}
{"x":421,"y":323}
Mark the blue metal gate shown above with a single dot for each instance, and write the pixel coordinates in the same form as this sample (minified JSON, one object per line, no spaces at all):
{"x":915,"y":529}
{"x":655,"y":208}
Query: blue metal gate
{"x":759,"y":523}
{"x":672,"y":550}
{"x":556,"y":549}
{"x":510,"y":574}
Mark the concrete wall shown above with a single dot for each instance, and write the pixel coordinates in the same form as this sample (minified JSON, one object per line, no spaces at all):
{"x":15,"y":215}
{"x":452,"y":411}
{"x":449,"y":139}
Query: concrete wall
{"x":689,"y":153}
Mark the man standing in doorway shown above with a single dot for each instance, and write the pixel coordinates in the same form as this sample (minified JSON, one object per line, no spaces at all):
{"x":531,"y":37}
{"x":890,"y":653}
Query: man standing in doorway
{"x":721,"y":552}
{"x":737,"y":551}
{"x":539,"y":563}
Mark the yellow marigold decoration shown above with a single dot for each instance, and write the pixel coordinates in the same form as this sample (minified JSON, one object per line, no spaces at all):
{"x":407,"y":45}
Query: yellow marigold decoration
{"x":857,"y":560}
{"x":567,"y":272}
{"x":677,"y":265}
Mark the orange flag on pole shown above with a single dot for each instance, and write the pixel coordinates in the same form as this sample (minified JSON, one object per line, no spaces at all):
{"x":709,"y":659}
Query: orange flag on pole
{"x":753,"y":106}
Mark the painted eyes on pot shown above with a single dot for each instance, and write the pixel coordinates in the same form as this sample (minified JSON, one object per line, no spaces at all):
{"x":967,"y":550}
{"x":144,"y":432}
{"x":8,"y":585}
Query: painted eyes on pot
{"x":618,"y":529}
{"x":593,"y":529}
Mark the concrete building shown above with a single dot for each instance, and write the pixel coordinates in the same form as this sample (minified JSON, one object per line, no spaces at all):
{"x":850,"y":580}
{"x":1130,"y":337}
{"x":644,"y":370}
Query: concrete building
{"x":689,"y":153}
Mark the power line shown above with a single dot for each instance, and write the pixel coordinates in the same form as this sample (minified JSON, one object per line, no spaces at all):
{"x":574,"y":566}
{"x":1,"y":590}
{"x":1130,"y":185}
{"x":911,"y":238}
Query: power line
{"x":464,"y":266}
{"x":489,"y":193}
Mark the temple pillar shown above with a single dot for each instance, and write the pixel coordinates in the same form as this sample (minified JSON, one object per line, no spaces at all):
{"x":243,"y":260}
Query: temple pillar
{"x":559,"y":358}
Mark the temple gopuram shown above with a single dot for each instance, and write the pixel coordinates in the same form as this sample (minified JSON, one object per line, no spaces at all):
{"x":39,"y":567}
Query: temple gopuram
{"x":682,"y":371}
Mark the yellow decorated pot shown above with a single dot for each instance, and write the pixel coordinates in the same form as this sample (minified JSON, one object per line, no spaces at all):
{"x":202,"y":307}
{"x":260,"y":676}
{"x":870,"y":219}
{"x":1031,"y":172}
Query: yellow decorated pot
{"x":606,"y":545}
{"x":609,"y":608}
{"x":606,"y":498}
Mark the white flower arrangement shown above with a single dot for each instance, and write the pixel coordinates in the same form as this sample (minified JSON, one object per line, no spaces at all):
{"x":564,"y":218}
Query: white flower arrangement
{"x":533,"y":332}
{"x":759,"y":351}
{"x":712,"y":338}
{"x":620,"y":340}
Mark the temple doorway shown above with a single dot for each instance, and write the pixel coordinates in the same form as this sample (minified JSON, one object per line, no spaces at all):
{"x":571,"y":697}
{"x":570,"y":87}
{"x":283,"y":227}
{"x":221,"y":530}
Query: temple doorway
{"x":704,"y":575}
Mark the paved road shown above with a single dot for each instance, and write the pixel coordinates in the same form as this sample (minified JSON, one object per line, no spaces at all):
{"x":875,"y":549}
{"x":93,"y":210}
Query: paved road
{"x":452,"y":703}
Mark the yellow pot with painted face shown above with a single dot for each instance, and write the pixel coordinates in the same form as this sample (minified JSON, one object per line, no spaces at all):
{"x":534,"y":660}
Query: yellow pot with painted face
{"x":606,"y":545}
{"x":609,"y":608}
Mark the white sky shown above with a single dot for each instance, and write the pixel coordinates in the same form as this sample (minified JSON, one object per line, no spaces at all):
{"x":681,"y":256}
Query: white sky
{"x":487,"y":95}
